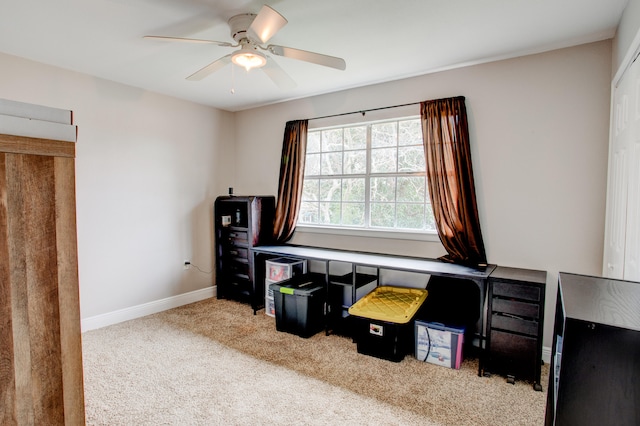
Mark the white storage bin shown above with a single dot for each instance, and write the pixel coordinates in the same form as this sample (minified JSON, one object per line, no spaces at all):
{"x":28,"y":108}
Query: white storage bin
{"x":283,"y":268}
{"x":269,"y":306}
{"x":267,"y":291}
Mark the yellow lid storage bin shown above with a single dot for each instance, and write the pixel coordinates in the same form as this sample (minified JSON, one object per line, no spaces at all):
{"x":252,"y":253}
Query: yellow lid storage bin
{"x":383,"y":321}
{"x":392,"y":304}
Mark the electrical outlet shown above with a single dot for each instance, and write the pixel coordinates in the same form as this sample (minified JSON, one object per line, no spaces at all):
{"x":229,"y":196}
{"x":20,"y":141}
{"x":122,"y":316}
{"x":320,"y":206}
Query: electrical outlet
{"x":187,"y":264}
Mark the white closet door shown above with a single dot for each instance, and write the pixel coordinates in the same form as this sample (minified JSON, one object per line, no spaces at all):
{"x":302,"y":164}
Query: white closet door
{"x":632,"y":237}
{"x":622,"y":230}
{"x":616,"y":217}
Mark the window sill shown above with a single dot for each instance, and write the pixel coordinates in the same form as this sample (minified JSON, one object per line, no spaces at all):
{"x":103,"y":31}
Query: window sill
{"x":370,"y":233}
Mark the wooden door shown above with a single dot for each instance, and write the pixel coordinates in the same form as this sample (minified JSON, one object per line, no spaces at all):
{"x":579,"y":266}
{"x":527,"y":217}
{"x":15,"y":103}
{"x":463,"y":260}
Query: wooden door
{"x":41,"y":381}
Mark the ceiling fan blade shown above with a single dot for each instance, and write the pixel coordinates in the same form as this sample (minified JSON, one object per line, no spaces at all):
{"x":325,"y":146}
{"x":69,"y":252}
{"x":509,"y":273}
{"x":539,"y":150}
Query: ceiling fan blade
{"x":266,"y":24}
{"x":188,"y":40}
{"x":277,"y":75}
{"x":303,"y":55}
{"x":210,"y":69}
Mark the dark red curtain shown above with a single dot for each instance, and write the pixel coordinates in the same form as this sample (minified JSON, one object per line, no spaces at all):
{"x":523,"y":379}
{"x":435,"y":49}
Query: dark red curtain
{"x":450,"y":176}
{"x":294,"y":147}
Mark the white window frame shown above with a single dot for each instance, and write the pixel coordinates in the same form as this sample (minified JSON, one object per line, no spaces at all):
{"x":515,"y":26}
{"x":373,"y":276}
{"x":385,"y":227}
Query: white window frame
{"x":409,"y":234}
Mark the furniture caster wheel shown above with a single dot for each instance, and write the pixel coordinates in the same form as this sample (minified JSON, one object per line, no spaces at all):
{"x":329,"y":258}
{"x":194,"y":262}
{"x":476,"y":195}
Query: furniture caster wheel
{"x":511,"y":380}
{"x":486,"y":374}
{"x":537,"y":387}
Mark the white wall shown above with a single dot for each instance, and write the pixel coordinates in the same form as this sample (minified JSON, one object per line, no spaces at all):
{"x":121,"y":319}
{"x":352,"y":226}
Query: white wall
{"x":539,"y":136}
{"x":148,"y":168}
{"x":627,"y":30}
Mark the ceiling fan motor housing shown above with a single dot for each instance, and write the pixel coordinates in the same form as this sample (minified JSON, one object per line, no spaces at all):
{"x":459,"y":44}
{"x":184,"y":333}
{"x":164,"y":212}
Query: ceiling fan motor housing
{"x":239,"y":24}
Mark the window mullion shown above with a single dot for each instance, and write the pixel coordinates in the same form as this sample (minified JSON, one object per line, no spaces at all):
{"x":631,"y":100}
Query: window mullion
{"x":342,"y":175}
{"x":395,"y":195}
{"x":367,"y":181}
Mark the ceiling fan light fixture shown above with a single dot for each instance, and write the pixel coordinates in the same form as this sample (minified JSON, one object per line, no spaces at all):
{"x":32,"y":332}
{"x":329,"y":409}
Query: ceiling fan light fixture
{"x":248,"y":58}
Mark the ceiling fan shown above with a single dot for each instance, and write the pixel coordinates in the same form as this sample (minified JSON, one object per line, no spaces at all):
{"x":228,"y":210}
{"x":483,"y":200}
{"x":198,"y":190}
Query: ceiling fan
{"x":251,"y":32}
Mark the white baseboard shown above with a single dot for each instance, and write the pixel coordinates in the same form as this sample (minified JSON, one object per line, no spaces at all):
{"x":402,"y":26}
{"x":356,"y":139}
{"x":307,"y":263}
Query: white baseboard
{"x":145,"y":309}
{"x":546,"y":354}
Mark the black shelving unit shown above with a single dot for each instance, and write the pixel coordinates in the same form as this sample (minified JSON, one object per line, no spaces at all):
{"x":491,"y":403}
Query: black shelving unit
{"x":241,"y":223}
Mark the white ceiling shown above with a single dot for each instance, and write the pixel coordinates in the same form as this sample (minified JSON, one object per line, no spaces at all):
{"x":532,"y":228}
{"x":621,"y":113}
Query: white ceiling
{"x":380,"y":40}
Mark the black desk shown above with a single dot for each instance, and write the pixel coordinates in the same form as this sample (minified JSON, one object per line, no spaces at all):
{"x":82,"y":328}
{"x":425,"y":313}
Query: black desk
{"x":478,"y":275}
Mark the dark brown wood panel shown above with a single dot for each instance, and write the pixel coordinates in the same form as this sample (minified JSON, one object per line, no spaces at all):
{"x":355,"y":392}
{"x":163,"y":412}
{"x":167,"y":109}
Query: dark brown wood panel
{"x":41,"y":380}
{"x":19,"y":296}
{"x":36,"y":287}
{"x":514,"y":355}
{"x":7,"y":376}
{"x":68,"y":292}
{"x":518,"y":291}
{"x":24,"y":145}
{"x":517,"y":325}
{"x":42,"y":288}
{"x":521,"y":309}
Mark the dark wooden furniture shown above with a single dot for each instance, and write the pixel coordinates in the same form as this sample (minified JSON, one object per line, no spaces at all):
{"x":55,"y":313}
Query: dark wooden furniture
{"x":241,"y":223}
{"x":341,"y":294}
{"x":41,"y":379}
{"x":479,"y":275}
{"x":515,"y":323}
{"x":595,"y":363}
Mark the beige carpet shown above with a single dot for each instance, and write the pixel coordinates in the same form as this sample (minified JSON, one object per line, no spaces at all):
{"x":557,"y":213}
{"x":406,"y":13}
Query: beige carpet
{"x":214,"y":362}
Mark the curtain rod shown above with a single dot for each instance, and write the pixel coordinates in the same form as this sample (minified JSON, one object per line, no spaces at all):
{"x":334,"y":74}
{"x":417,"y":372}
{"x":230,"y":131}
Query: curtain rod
{"x":363,"y":111}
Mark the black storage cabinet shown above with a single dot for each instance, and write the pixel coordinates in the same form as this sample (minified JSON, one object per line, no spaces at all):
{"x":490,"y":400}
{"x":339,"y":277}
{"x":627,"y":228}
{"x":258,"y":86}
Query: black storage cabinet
{"x":595,"y":361}
{"x":515,"y":321}
{"x":241,"y":223}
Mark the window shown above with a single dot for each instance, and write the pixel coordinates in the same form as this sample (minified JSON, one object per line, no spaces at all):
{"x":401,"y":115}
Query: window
{"x":367,"y":176}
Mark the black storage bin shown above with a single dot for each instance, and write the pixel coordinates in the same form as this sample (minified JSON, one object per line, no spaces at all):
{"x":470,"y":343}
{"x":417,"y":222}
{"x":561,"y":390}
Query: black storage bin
{"x":383,"y":321}
{"x":392,"y":344}
{"x":299,"y":304}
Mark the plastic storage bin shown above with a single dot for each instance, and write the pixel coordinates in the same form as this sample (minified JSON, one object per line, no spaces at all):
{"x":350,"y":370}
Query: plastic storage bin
{"x":276,"y":270}
{"x":383,"y":325}
{"x":299,"y":304}
{"x":284,"y":268}
{"x":269,"y":303}
{"x":439,"y":344}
